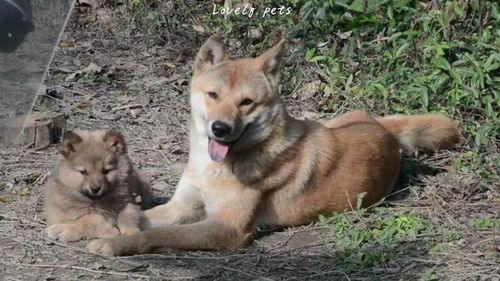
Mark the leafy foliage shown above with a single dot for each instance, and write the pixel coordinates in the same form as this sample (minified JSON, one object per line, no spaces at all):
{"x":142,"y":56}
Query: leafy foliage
{"x":485,"y":222}
{"x":365,"y":241}
{"x":394,"y":56}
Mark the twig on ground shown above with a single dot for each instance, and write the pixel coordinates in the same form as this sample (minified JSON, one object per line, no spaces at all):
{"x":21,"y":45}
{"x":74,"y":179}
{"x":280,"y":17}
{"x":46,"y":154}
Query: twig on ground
{"x":127,"y":106}
{"x":77,"y":268}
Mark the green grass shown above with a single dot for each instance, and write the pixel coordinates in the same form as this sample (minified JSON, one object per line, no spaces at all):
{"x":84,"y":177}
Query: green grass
{"x":485,"y":222}
{"x":93,"y":78}
{"x":365,"y":238}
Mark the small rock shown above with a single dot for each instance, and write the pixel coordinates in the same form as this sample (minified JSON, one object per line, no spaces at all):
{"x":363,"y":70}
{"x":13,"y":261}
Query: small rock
{"x":161,"y":186}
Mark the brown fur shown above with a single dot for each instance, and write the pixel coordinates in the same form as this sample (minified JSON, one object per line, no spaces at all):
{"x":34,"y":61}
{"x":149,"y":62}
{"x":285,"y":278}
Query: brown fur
{"x":279,"y":171}
{"x":429,"y":131}
{"x":102,"y":158}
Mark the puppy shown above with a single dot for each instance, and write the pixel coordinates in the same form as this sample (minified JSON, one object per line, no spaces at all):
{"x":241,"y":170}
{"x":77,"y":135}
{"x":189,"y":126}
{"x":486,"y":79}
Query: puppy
{"x":94,"y":191}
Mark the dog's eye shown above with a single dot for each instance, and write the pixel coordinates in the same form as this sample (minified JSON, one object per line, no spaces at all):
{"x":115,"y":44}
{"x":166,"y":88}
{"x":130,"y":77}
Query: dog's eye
{"x":106,"y":171}
{"x":246,"y":102}
{"x":213,"y":95}
{"x":83,"y":172}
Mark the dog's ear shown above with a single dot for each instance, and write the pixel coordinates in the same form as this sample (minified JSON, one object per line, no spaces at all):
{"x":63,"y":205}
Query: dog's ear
{"x":210,"y":54}
{"x":115,"y":140}
{"x":70,"y":140}
{"x":270,"y":60}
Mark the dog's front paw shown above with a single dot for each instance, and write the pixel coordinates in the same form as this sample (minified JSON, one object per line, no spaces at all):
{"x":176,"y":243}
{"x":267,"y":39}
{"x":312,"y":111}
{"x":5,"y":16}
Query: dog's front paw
{"x":103,"y":247}
{"x":64,"y":233}
{"x":118,"y":246}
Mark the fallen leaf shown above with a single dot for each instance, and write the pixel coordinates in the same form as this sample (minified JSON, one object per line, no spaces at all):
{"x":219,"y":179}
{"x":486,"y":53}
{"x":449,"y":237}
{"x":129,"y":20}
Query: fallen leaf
{"x":169,"y":65}
{"x":24,"y":192}
{"x":92,"y":68}
{"x":307,"y":91}
{"x":82,"y":106}
{"x":64,"y":44}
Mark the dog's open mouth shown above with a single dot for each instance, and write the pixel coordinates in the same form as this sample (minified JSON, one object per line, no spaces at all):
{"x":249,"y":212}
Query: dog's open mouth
{"x":218,"y":150}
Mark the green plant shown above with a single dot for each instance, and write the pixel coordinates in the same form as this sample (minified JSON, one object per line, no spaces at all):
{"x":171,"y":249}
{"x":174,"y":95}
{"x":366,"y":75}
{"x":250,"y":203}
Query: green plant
{"x":366,"y":245}
{"x":429,"y":275}
{"x":394,"y":56}
{"x":92,"y":78}
{"x":485,"y":222}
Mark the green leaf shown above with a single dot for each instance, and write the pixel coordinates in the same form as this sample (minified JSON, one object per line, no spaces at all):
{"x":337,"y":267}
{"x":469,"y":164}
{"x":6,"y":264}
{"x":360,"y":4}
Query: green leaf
{"x":383,"y":91}
{"x":401,"y":49}
{"x":400,"y":3}
{"x":441,"y":63}
{"x":394,"y":36}
{"x":310,"y":54}
{"x":357,"y":5}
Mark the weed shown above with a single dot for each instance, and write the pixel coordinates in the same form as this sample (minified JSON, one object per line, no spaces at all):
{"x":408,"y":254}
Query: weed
{"x":429,"y":275}
{"x":485,"y":222}
{"x":366,"y":245}
{"x":92,"y":78}
{"x":394,"y":56}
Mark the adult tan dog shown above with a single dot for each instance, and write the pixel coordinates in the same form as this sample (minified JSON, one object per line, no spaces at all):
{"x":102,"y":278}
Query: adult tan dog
{"x":251,"y":164}
{"x":94,"y":189}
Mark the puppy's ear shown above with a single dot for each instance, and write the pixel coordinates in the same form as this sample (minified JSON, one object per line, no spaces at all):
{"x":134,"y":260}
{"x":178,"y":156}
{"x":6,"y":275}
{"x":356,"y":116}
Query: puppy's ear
{"x":115,"y":140}
{"x":270,"y":60}
{"x":70,"y":140}
{"x":210,"y":54}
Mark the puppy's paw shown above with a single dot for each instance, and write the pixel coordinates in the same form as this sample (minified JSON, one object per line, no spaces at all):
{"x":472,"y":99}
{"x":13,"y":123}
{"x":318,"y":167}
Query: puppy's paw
{"x":64,"y":233}
{"x":103,"y":247}
{"x":109,"y":232}
{"x":130,"y":230}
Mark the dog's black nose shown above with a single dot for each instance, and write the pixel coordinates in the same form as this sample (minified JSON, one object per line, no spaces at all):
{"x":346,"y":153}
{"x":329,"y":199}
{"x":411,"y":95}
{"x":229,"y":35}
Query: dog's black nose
{"x":95,"y":190}
{"x":221,"y":129}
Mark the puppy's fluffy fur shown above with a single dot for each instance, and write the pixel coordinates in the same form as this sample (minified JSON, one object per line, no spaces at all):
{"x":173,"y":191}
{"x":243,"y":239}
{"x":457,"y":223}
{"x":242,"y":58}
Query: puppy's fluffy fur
{"x":94,"y":191}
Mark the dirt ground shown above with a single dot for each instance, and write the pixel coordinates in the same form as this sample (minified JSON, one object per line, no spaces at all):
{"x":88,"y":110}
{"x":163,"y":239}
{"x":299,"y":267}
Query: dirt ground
{"x":141,"y":89}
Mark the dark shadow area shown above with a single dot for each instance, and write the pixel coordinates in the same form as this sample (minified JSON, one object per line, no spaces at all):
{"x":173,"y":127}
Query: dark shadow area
{"x":159,"y":201}
{"x":410,"y":174}
{"x":383,"y":262}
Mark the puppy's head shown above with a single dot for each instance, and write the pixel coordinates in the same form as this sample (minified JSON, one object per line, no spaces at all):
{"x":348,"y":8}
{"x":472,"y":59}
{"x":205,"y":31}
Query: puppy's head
{"x":93,"y":163}
{"x":234,"y":102}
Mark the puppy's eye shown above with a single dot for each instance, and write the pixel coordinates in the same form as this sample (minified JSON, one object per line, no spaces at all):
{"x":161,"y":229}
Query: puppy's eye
{"x":246,"y":102}
{"x":83,"y":172}
{"x":106,"y":171}
{"x":212,"y":95}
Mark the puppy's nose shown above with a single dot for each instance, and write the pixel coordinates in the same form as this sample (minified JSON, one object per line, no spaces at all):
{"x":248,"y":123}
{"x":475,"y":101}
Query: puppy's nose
{"x":221,"y":129}
{"x":95,"y":190}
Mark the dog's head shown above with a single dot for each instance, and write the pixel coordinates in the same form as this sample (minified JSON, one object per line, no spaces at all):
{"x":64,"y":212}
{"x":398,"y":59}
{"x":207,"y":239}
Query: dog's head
{"x":93,"y":163}
{"x":234,"y":102}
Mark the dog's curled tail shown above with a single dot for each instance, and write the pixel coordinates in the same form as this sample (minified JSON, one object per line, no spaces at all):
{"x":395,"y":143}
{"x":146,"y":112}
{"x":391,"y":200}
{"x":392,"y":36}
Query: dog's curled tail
{"x":427,"y":131}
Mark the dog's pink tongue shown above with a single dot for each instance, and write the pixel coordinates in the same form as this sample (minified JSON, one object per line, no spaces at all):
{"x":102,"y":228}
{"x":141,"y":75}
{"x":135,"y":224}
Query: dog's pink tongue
{"x":217,"y":150}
